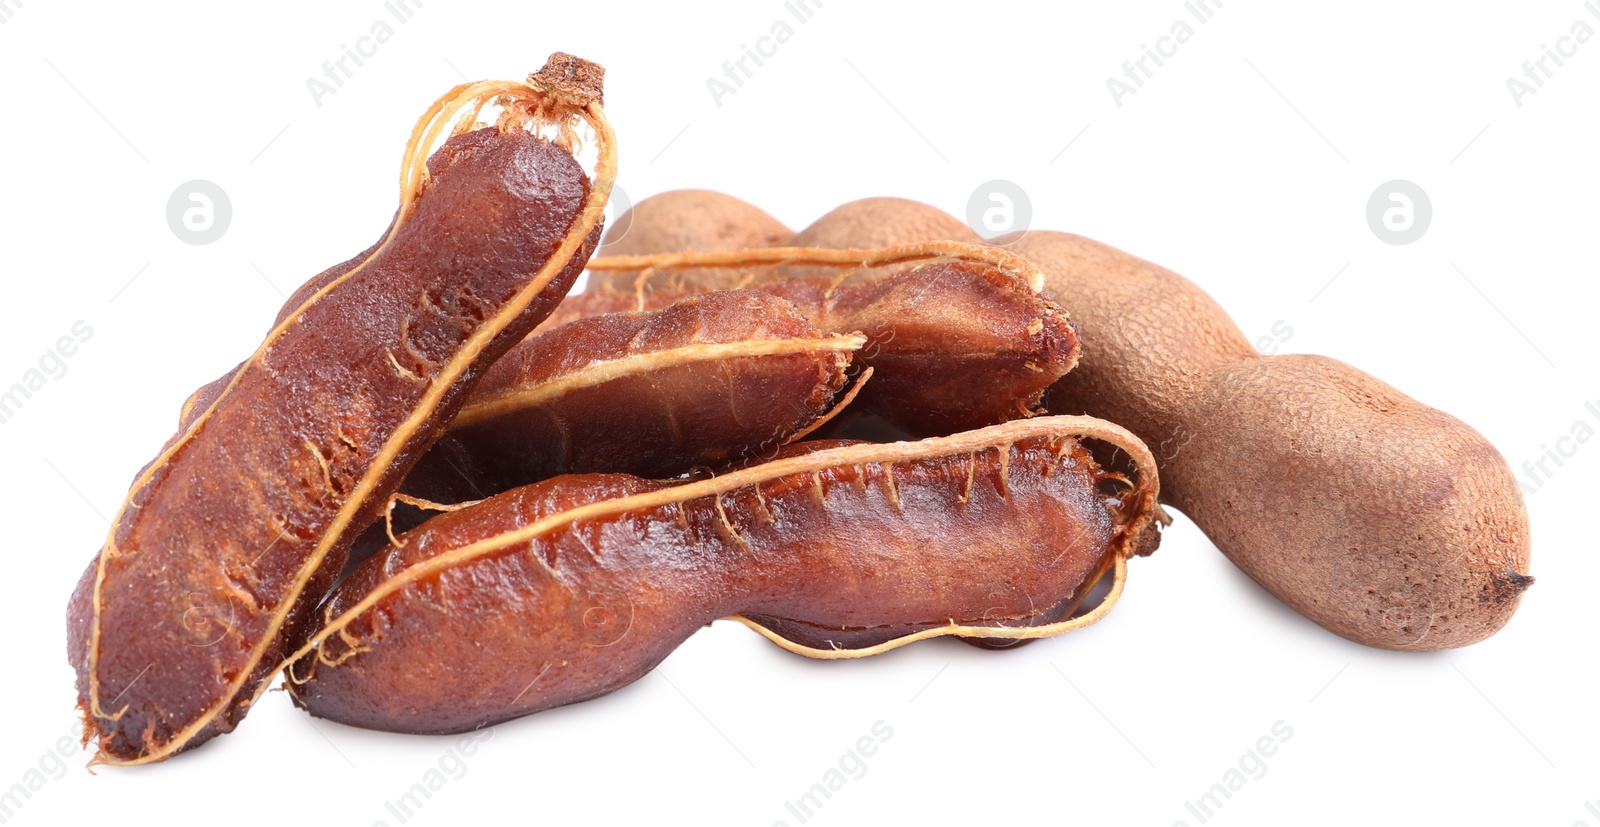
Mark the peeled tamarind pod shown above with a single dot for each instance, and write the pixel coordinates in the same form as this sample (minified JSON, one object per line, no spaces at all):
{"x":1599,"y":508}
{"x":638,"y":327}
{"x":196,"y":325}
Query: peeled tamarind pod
{"x":680,"y":220}
{"x":715,"y":379}
{"x":958,"y":335}
{"x":1386,"y":521}
{"x":570,"y":588}
{"x":236,"y":530}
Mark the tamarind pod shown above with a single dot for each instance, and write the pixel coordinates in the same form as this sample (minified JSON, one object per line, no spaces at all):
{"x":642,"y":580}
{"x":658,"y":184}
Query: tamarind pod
{"x":678,"y":220}
{"x":570,"y":588}
{"x":962,"y":341}
{"x":1381,"y":519}
{"x":237,"y":528}
{"x":715,"y":380}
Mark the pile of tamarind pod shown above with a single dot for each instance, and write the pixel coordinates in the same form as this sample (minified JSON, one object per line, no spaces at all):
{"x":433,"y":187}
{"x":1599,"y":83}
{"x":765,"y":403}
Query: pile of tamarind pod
{"x":1383,"y":520}
{"x":442,"y":493}
{"x":435,"y":506}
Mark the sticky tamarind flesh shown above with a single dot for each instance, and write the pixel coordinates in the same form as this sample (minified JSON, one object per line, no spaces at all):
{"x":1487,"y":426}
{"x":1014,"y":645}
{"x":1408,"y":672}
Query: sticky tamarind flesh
{"x":235,"y":531}
{"x":570,"y":588}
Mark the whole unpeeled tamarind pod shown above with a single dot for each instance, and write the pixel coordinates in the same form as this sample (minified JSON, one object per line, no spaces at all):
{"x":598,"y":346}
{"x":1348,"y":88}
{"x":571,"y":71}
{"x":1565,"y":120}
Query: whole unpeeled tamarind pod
{"x":716,"y":379}
{"x":236,"y":530}
{"x":679,"y":220}
{"x":1384,"y":520}
{"x":570,"y":588}
{"x":958,"y":335}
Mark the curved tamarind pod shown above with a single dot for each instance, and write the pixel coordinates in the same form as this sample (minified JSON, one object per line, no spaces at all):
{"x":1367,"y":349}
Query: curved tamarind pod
{"x":960,"y":341}
{"x":235,"y":531}
{"x":715,"y":380}
{"x":570,"y":588}
{"x":1283,"y":460}
{"x":679,"y":220}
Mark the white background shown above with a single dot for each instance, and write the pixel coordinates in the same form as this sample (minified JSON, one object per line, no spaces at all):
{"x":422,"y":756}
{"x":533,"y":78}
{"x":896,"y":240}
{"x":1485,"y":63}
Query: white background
{"x":1245,"y":163}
